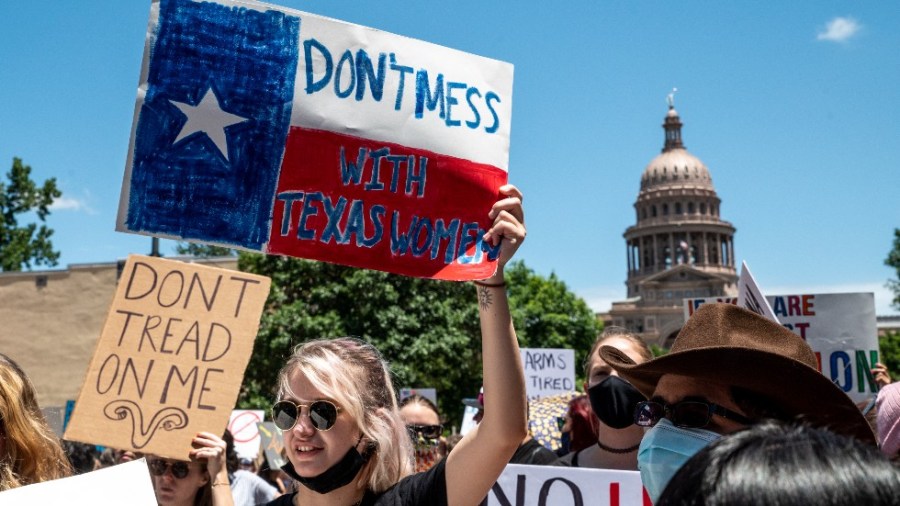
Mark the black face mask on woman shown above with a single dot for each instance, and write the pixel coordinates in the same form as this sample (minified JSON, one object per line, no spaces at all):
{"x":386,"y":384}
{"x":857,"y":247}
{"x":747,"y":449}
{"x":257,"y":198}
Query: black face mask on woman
{"x":336,"y":476}
{"x":614,"y":400}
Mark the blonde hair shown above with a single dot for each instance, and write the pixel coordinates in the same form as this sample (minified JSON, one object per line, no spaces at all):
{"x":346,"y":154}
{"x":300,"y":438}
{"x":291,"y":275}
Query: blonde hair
{"x":33,"y":452}
{"x":353,"y":374}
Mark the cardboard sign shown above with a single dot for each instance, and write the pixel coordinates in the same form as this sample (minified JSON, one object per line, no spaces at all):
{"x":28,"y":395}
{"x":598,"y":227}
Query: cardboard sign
{"x":548,"y":371}
{"x":522,"y":485}
{"x":243,"y":427}
{"x":109,"y":486}
{"x":272,"y":444}
{"x":171,"y":356}
{"x":839,"y":327}
{"x":270,"y":129}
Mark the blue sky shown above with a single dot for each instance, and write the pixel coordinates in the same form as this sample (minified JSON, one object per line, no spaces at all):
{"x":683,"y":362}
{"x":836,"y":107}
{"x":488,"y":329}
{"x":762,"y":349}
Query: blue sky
{"x":792,"y":106}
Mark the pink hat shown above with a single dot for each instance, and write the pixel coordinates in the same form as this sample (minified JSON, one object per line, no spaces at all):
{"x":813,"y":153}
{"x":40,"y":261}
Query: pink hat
{"x":888,"y":406}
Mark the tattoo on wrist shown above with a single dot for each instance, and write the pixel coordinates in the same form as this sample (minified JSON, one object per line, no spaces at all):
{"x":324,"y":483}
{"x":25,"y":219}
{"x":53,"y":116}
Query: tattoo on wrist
{"x":485,"y":299}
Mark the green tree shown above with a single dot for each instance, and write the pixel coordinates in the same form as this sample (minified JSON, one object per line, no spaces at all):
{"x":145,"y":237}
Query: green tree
{"x":890,"y":353}
{"x":428,"y":330}
{"x":893,"y":260}
{"x":203,"y":250}
{"x":27,"y":245}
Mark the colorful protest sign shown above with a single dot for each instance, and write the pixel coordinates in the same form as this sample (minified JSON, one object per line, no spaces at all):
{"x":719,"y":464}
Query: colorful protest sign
{"x":243,"y":427}
{"x":566,"y":486}
{"x":128,"y":482}
{"x":272,"y":443}
{"x":548,"y":371}
{"x":171,"y":356}
{"x":839,"y":327}
{"x":274,"y":130}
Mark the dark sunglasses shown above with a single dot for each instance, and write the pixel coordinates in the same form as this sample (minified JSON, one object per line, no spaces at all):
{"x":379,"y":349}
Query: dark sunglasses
{"x":159,"y":467}
{"x":322,"y":414}
{"x":426,"y":431}
{"x":684,"y":414}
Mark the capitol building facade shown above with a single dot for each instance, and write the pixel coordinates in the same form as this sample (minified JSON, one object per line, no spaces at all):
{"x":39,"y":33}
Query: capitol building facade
{"x":679,"y":246}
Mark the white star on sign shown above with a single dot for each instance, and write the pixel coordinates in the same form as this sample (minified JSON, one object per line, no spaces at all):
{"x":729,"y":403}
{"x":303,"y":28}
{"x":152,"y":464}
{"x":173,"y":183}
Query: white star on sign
{"x":209,"y":118}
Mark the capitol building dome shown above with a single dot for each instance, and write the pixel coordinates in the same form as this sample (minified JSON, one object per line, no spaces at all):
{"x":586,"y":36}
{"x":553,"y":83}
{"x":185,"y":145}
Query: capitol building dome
{"x":679,"y":247}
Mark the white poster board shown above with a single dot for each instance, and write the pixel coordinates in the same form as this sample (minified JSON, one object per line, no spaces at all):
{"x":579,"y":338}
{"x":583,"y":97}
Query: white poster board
{"x":243,"y":426}
{"x":548,"y":371}
{"x":111,"y":486}
{"x":839,"y":327}
{"x":522,"y":485}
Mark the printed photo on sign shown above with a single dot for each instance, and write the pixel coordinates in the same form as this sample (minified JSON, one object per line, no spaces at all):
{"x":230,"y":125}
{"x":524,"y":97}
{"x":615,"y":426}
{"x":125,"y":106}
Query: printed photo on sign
{"x":333,"y":142}
{"x":171,"y":356}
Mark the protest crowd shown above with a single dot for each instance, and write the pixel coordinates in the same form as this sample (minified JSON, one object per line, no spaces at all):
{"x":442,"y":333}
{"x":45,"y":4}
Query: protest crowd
{"x":735,"y":412}
{"x":700,"y":424}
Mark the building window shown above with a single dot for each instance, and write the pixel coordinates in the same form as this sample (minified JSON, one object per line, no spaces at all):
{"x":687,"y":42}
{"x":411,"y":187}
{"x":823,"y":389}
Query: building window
{"x":653,"y":210}
{"x":665,"y":209}
{"x":690,"y":208}
{"x":703,"y":208}
{"x":678,"y":208}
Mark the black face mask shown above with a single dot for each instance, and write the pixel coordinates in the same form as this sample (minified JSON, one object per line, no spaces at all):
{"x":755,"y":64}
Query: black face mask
{"x":336,"y":476}
{"x":614,"y":400}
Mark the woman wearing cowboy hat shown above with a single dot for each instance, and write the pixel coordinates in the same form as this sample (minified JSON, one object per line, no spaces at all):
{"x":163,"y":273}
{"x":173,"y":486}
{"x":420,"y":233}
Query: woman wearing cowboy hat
{"x":729,"y":368}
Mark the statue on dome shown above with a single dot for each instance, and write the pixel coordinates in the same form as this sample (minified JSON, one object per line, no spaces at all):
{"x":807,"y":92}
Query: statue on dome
{"x":670,"y":98}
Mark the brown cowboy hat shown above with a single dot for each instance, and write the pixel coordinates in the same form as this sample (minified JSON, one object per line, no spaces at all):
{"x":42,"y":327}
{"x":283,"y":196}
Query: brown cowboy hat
{"x":730,"y":345}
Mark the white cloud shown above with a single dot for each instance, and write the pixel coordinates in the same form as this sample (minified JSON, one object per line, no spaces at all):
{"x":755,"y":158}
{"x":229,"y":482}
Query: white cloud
{"x":70,"y":204}
{"x":839,"y":29}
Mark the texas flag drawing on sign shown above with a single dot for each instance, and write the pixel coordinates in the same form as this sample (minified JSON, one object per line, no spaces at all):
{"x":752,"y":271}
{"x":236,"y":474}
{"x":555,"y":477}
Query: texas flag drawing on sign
{"x":269,"y":129}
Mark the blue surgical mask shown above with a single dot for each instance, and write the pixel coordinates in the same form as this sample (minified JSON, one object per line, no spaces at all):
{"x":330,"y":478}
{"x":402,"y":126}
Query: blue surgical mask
{"x":664,"y":449}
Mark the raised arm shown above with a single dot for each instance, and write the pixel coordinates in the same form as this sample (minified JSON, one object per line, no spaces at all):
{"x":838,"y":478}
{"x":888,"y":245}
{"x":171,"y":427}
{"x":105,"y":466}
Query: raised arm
{"x":476,"y":463}
{"x":211,"y":448}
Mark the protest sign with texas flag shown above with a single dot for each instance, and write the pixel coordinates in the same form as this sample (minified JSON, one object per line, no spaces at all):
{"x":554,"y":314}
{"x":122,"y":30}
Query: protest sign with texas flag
{"x":274,"y":130}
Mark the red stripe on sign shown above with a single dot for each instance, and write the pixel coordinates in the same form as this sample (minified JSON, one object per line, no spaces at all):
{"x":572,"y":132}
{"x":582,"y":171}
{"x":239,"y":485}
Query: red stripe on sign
{"x":384,"y":206}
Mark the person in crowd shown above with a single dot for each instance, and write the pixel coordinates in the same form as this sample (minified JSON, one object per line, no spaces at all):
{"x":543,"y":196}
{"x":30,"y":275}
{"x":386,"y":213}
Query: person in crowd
{"x":888,"y":420}
{"x":274,"y":477}
{"x":30,"y":452}
{"x":579,"y":428}
{"x":529,"y":452}
{"x":613,"y":401}
{"x":729,"y":368}
{"x":452,"y":441}
{"x":201,"y":481}
{"x":247,"y":488}
{"x":107,"y":458}
{"x":774,"y":463}
{"x":343,"y":435}
{"x":423,"y":422}
{"x":83,"y":457}
{"x":881,"y":374}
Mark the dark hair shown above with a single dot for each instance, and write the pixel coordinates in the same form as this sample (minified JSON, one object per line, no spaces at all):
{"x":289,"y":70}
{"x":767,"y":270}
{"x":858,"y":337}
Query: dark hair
{"x":774,"y":463}
{"x":231,"y":458}
{"x":421,"y":400}
{"x":82,"y":456}
{"x":585,"y":425}
{"x":610,"y":332}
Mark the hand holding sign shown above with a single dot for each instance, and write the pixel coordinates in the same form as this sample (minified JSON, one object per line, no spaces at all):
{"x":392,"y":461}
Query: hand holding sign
{"x":171,"y":357}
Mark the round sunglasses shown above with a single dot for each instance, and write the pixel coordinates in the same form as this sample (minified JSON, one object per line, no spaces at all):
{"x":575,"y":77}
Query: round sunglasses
{"x":322,"y":414}
{"x":684,"y":414}
{"x":159,"y":467}
{"x":426,"y":431}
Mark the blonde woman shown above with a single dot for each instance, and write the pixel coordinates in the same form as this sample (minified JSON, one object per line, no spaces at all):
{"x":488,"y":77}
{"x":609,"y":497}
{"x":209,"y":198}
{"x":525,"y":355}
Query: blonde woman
{"x":343,"y":434}
{"x":29,"y":450}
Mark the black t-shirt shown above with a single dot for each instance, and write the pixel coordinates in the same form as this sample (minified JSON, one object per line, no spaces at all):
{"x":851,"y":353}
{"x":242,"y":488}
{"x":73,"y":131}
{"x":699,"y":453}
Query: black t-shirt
{"x":426,"y":488}
{"x":534,"y":453}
